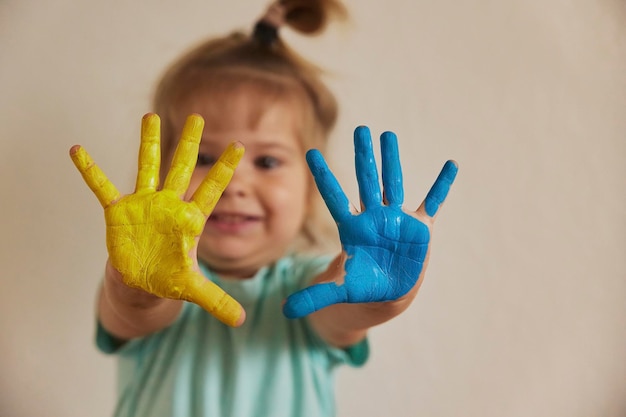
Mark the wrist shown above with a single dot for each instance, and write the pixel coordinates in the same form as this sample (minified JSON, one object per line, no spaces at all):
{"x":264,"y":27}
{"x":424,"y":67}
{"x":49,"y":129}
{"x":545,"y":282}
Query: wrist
{"x":118,"y":293}
{"x":128,"y":312}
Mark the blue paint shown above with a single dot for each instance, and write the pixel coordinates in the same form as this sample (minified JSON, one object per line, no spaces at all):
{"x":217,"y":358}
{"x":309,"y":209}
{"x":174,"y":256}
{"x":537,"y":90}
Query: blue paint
{"x":439,"y":191}
{"x":334,"y":197}
{"x":366,"y":172}
{"x":392,"y":171}
{"x":385,"y":246}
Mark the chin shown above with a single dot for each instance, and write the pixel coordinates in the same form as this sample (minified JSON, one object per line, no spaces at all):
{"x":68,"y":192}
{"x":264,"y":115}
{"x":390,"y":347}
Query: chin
{"x":223,"y":255}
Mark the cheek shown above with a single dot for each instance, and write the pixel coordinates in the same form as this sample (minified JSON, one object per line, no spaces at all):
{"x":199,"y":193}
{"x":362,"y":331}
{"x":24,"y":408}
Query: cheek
{"x":289,"y":200}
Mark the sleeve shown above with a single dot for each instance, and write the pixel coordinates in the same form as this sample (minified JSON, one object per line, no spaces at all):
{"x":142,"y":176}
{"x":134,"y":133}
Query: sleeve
{"x":109,"y":344}
{"x":105,"y":341}
{"x":357,"y":355}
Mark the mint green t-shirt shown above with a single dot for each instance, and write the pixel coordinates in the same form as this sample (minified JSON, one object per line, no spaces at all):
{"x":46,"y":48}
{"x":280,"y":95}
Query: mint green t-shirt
{"x":270,"y":366}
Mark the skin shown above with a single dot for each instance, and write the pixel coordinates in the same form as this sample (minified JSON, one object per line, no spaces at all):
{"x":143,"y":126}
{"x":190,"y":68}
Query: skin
{"x":385,"y":248}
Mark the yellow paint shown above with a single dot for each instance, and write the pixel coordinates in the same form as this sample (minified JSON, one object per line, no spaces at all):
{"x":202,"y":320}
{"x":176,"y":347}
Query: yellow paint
{"x":151,"y":233}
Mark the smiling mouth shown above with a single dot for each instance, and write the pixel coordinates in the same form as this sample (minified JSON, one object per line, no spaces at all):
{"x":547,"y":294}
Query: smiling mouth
{"x":231,"y":218}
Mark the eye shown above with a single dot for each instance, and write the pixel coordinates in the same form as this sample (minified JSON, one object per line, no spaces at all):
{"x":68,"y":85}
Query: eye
{"x":267,"y":162}
{"x":205,"y":159}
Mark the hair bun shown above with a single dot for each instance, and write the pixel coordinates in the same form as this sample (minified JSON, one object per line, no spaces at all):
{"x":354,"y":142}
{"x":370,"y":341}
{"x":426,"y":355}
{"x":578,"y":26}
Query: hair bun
{"x":311,"y":16}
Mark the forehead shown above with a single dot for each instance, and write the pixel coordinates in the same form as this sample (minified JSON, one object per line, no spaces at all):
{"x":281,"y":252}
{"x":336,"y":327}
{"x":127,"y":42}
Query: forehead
{"x":258,"y":121}
{"x":238,"y":97}
{"x":242,"y":109}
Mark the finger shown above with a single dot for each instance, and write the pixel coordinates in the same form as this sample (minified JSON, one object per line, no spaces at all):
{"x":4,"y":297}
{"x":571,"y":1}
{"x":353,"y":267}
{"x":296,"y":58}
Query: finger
{"x":185,"y":156}
{"x":313,"y":298}
{"x":218,"y":177}
{"x":215,"y":300}
{"x":391,"y":169}
{"x":328,"y":186}
{"x":366,"y":171}
{"x":149,"y":153}
{"x":104,"y":189}
{"x":439,"y":191}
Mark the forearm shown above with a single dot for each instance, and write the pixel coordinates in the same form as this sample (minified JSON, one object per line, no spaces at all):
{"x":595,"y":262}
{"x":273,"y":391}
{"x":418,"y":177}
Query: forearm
{"x":128,"y":313}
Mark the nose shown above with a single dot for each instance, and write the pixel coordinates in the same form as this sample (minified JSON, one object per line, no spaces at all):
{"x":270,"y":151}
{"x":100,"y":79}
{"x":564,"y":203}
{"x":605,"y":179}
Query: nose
{"x":240,"y":183}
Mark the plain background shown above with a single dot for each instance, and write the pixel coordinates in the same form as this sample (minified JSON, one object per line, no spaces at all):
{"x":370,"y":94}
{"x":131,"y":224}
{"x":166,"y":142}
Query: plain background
{"x":523,"y":310}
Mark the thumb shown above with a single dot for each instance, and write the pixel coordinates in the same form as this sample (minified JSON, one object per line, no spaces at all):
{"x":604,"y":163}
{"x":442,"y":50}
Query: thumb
{"x":213,"y":299}
{"x":313,"y":298}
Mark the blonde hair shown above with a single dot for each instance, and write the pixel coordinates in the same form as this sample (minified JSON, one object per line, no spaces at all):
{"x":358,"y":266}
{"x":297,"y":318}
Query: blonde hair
{"x":269,"y":71}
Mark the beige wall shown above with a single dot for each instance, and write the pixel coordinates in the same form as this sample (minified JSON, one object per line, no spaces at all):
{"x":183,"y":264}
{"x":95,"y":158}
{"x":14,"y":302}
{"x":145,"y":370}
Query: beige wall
{"x":523,"y":310}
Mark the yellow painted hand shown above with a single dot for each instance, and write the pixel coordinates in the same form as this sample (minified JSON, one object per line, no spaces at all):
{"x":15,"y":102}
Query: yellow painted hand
{"x":152,"y":234}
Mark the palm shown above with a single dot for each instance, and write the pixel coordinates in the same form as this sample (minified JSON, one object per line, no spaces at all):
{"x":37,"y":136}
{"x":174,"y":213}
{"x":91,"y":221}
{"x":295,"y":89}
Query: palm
{"x":152,"y":235}
{"x":149,"y":239}
{"x":385,"y":247}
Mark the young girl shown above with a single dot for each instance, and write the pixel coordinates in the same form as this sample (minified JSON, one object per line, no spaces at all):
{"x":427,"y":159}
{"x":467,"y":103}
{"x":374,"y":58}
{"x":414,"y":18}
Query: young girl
{"x":297,"y":315}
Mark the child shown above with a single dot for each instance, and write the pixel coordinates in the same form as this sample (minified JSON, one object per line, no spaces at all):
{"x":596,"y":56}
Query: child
{"x":297,"y":316}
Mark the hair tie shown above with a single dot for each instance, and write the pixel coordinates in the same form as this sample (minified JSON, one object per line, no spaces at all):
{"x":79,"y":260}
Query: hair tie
{"x":266,"y":28}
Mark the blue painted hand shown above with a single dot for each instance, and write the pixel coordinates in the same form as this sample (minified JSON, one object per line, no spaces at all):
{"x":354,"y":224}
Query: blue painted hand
{"x":385,"y":246}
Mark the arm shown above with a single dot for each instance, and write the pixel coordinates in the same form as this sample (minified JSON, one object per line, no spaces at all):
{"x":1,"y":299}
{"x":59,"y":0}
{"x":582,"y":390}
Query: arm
{"x":152,"y":235}
{"x":128,"y":313}
{"x":385,"y":247}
